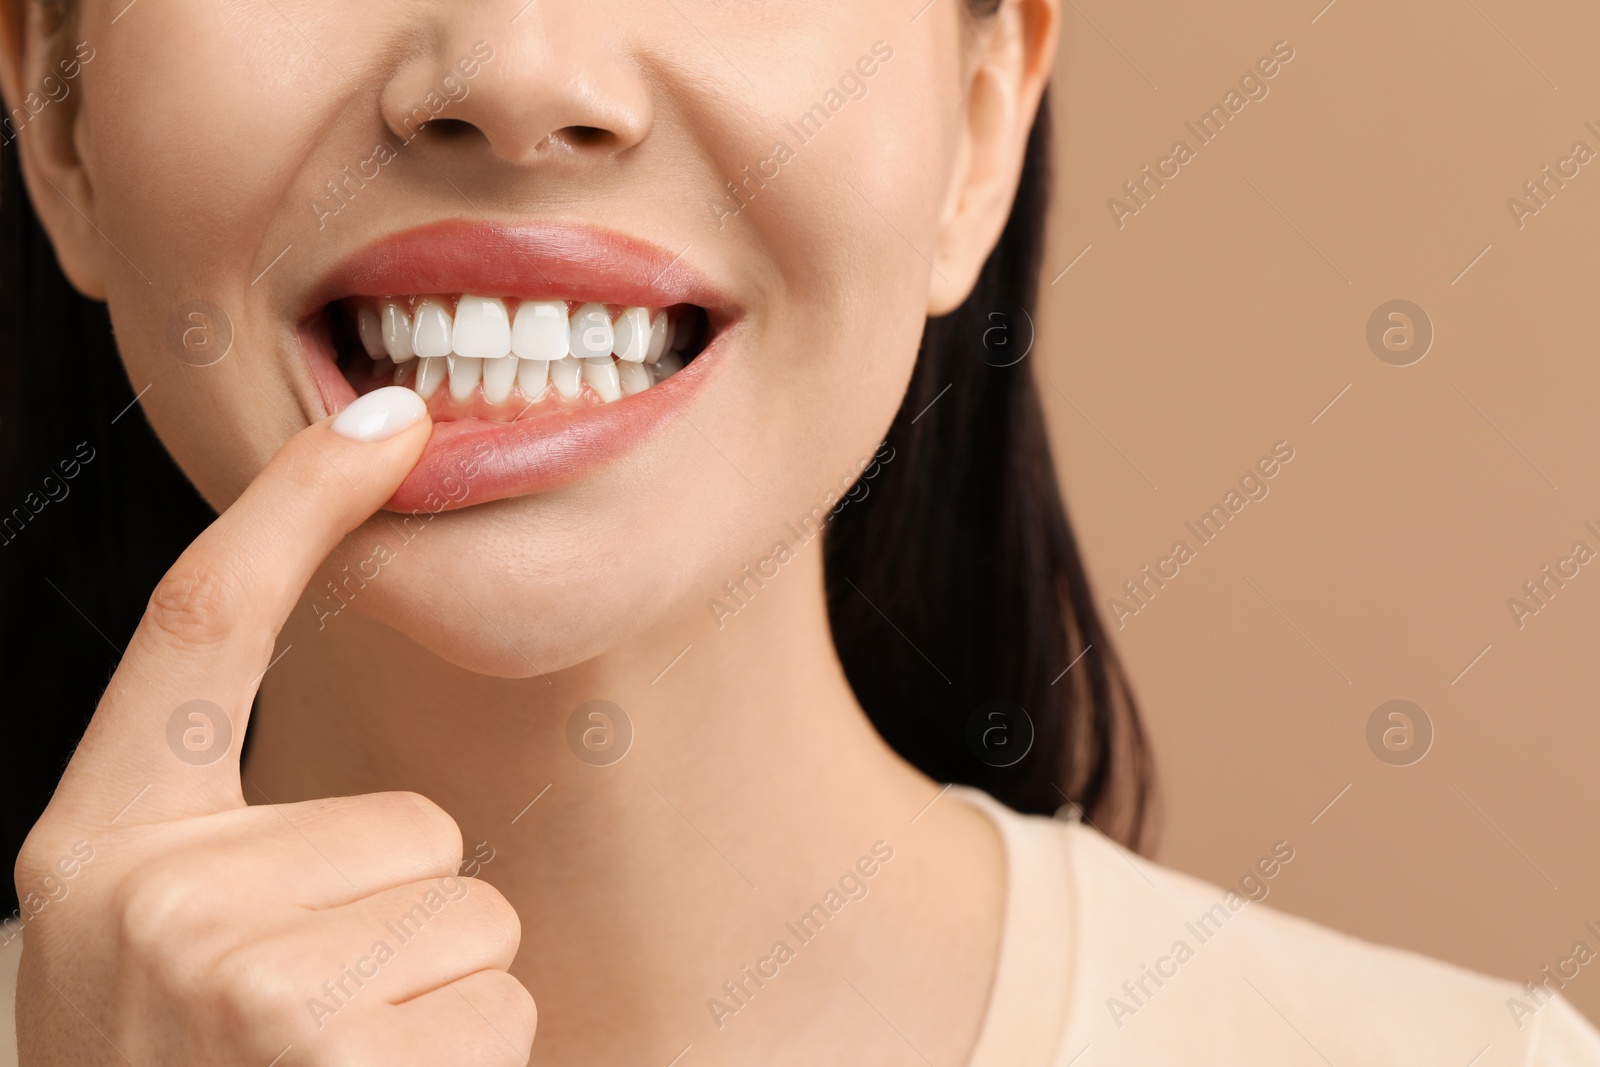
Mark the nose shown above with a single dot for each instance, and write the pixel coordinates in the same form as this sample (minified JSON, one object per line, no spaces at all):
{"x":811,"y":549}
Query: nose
{"x":535,"y":79}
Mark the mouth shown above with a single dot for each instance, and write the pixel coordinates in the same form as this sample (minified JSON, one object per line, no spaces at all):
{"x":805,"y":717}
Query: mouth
{"x":504,"y":360}
{"x":542,"y":352}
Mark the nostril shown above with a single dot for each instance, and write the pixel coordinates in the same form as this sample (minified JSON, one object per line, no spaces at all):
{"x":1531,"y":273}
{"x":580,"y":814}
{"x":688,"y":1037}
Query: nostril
{"x":450,"y":128}
{"x":584,"y":136}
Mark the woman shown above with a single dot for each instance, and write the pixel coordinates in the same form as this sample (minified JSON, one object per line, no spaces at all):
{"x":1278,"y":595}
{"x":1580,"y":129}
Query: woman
{"x":631,"y":513}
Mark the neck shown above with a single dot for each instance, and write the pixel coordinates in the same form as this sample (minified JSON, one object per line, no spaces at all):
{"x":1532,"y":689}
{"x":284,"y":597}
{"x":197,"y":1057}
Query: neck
{"x":752,"y":784}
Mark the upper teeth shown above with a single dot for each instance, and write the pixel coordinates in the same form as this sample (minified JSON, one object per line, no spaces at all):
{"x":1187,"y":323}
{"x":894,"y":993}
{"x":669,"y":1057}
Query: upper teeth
{"x":483,"y":343}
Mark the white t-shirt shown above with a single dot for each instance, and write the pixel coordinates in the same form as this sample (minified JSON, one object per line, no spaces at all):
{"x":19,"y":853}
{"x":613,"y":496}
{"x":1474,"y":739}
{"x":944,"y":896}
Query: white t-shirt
{"x":1109,"y":960}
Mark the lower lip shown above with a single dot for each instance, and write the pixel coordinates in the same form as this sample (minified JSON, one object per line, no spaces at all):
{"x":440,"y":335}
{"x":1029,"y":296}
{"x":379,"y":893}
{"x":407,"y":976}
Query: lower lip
{"x":473,"y":461}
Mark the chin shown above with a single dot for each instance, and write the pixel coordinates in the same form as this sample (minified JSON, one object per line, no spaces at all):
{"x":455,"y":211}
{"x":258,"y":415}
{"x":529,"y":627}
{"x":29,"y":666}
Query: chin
{"x":527,"y":587}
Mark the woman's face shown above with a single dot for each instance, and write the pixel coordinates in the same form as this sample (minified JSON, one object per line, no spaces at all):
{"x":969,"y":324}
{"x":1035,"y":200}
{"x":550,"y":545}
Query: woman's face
{"x":278,"y":184}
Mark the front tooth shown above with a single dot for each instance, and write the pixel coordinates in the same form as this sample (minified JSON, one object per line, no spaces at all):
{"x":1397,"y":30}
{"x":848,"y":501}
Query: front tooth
{"x":531,"y":376}
{"x":632,"y":335}
{"x":370,"y":330}
{"x":539,"y":330}
{"x":498,"y":374}
{"x":430,"y":372}
{"x":636,"y":378}
{"x":483,"y":330}
{"x":591,"y":335}
{"x":670,"y":364}
{"x":566,"y":375}
{"x":601,"y":374}
{"x":431,"y":328}
{"x":660,"y":333}
{"x":397,"y":332}
{"x":465,"y":374}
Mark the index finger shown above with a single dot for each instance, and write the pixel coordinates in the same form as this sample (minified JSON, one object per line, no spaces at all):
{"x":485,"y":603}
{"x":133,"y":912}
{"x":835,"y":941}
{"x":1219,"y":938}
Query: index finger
{"x":207,"y":635}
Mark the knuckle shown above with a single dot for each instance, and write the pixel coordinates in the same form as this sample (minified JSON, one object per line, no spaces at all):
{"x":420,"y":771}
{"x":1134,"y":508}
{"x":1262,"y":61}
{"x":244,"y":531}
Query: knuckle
{"x":507,"y":1003}
{"x":491,"y":914}
{"x":250,"y":983}
{"x":36,"y":855}
{"x":196,"y":604}
{"x":434,"y":831}
{"x":157,"y":907}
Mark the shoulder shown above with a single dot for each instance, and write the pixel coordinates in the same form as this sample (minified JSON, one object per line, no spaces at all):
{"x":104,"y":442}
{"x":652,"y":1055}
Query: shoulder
{"x":1167,"y":968}
{"x":1162,"y":957}
{"x":10,"y":954}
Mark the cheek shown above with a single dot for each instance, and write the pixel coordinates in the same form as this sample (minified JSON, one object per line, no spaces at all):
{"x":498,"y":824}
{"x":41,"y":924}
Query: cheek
{"x":200,"y":119}
{"x":190,"y":168}
{"x":843,"y":202}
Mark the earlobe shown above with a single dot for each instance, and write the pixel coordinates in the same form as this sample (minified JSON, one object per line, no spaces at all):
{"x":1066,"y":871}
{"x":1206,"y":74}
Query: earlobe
{"x":1010,"y":68}
{"x":40,"y":78}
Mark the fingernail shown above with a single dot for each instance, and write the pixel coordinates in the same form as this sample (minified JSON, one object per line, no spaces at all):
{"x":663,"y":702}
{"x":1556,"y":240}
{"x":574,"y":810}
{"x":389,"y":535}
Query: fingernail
{"x":380,"y":414}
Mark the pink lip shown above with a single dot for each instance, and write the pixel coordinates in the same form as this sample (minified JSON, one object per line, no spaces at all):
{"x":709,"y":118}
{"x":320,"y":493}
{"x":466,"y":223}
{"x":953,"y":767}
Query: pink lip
{"x":473,"y":461}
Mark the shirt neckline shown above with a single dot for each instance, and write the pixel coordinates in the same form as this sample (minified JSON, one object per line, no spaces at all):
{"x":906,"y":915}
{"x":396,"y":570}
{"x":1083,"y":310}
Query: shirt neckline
{"x":1026,"y":1016}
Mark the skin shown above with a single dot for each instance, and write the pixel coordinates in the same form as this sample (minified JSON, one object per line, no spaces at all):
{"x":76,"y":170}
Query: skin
{"x":436,"y":705}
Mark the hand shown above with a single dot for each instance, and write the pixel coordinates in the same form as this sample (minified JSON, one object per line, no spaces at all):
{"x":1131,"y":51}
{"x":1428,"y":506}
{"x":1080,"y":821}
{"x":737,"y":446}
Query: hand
{"x":179,"y":926}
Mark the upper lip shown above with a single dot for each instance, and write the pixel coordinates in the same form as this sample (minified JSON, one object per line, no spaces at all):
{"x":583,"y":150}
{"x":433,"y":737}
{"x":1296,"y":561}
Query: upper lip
{"x":537,"y":261}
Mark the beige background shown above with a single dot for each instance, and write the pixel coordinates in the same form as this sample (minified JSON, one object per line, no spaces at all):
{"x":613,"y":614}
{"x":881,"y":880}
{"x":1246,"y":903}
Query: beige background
{"x":1227,"y":315}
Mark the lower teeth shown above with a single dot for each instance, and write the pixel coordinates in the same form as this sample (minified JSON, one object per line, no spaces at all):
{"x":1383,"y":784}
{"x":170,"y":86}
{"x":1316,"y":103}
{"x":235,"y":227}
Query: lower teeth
{"x":522,"y":381}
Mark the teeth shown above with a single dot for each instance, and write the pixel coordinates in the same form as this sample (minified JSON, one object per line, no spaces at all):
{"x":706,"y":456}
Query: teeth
{"x":492,"y":345}
{"x":430,"y":372}
{"x":465,"y":374}
{"x":660,"y":334}
{"x":431,"y":328}
{"x":397,"y":332}
{"x":601,"y":374}
{"x":669,"y":364}
{"x":565,"y":375}
{"x":498,"y":376}
{"x":540,"y":330}
{"x":370,"y":331}
{"x":635,"y":378}
{"x":591,"y":335}
{"x":632,"y":335}
{"x":531,"y":376}
{"x":482,"y":329}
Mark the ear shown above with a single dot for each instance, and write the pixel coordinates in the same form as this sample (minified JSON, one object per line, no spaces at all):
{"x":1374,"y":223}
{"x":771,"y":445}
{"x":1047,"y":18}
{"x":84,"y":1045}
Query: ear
{"x":1011,"y":55}
{"x":40,"y":72}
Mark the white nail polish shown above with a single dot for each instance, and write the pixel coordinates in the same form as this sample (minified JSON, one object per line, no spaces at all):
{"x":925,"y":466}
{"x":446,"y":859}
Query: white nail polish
{"x":380,"y":414}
